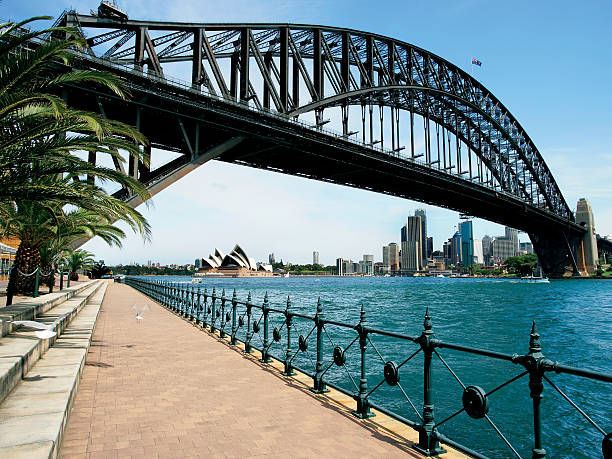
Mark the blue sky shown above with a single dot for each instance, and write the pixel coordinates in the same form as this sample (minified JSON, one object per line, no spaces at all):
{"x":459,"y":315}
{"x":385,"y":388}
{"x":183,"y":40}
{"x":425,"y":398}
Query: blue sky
{"x":549,"y":62}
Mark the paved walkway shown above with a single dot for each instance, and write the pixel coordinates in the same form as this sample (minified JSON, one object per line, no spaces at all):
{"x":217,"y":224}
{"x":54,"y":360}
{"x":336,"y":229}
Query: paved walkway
{"x":163,"y":388}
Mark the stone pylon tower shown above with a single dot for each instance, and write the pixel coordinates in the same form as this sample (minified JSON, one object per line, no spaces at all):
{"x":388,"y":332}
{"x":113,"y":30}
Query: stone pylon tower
{"x":587,"y":247}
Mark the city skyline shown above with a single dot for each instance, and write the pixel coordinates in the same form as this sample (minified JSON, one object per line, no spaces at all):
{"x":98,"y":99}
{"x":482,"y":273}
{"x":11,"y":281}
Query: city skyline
{"x":293,"y":216}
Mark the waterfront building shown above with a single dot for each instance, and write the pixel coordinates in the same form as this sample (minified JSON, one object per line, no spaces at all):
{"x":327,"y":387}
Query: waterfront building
{"x":430,"y":249}
{"x":236,"y":263}
{"x":357,"y":268}
{"x":315,"y":258}
{"x":378,"y":268}
{"x":386,"y":266}
{"x":512,"y":235}
{"x":466,"y":243}
{"x":502,"y":249}
{"x":368,"y":265}
{"x":394,"y":257}
{"x":344,"y":266}
{"x":526,"y":247}
{"x":478,"y":257}
{"x":411,"y":238}
{"x":423,"y":240}
{"x":486,"y":249}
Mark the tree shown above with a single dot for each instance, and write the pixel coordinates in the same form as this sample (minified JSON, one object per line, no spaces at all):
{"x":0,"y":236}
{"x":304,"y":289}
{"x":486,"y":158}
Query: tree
{"x":522,"y":265}
{"x":39,"y":174}
{"x":79,"y":259}
{"x":39,"y":132}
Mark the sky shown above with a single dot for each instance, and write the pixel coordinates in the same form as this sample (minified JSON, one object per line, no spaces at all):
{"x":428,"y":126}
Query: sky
{"x":549,"y":62}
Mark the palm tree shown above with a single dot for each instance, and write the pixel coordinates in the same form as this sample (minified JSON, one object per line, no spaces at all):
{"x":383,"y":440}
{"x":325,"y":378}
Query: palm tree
{"x":39,"y":132}
{"x":79,"y":259}
{"x":39,"y":174}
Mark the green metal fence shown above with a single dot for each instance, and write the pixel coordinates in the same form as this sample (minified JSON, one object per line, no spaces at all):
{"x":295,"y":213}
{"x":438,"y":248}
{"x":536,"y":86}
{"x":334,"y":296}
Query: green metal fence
{"x":233,"y":317}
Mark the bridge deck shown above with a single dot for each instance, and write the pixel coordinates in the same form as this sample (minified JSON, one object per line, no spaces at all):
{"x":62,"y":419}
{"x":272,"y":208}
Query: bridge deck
{"x":164,"y":388}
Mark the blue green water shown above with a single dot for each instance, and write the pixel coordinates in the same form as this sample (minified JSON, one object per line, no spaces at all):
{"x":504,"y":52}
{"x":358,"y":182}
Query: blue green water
{"x":574,"y":319}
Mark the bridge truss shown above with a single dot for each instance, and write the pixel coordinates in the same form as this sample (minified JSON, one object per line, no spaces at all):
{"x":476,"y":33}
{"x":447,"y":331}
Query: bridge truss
{"x":408,"y":122}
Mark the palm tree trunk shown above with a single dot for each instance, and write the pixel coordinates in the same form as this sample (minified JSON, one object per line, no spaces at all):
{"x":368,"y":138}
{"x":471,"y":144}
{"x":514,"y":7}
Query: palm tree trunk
{"x":27,"y":260}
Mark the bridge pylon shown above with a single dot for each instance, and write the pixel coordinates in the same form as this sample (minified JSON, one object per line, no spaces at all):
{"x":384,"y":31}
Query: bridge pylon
{"x":587,"y":245}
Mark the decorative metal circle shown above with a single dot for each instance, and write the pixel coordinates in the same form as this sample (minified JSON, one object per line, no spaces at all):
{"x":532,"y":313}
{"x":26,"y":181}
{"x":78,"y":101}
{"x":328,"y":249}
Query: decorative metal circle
{"x":255,"y":327}
{"x":606,"y":446}
{"x":475,"y":402}
{"x":240,"y":321}
{"x":276,"y":336}
{"x":391,"y":373}
{"x":228,"y":317}
{"x":302,"y":343}
{"x":339,"y":358}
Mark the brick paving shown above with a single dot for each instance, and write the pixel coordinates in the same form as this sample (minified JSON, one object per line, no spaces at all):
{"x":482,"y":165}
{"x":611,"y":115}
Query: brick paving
{"x":163,"y":388}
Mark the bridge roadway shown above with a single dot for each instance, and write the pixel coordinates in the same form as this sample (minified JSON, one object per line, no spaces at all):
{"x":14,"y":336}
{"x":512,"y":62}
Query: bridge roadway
{"x":163,"y":388}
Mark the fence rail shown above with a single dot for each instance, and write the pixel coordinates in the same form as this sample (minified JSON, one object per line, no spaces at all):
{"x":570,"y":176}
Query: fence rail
{"x":229,"y":315}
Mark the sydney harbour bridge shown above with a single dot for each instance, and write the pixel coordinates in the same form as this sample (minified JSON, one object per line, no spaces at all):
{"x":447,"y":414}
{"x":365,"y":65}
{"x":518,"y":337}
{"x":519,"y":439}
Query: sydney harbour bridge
{"x":406,"y":122}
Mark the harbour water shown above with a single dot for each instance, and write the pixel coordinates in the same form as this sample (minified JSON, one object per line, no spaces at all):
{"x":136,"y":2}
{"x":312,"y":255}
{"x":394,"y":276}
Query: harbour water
{"x":574,"y":319}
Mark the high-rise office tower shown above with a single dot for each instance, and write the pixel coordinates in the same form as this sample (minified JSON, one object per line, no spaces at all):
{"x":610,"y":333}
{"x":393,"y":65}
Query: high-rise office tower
{"x":423,"y":241}
{"x":394,"y":258}
{"x":486,"y":249}
{"x":467,"y":242}
{"x":512,"y":235}
{"x":587,"y":248}
{"x":315,"y":258}
{"x":271,"y":259}
{"x":411,"y":237}
{"x":386,"y":266}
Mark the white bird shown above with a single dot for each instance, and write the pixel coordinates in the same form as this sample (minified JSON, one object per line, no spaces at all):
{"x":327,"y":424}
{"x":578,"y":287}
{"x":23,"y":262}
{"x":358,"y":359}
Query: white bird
{"x":46,"y":331}
{"x":140,"y":312}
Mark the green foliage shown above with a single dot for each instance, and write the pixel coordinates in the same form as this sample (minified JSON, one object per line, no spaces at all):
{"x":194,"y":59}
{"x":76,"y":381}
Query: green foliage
{"x":522,"y":265}
{"x":150,"y":270}
{"x":99,"y":269}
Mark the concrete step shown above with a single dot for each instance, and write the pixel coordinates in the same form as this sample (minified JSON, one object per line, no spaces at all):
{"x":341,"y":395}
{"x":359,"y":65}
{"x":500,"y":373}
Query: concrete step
{"x":31,"y":308}
{"x":20,"y":350}
{"x":34,"y":415}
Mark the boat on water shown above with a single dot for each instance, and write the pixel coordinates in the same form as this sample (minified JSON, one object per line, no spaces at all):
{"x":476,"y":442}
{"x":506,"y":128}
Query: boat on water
{"x":535,"y":280}
{"x":441,"y":275}
{"x":287,"y":274}
{"x":196,"y":280}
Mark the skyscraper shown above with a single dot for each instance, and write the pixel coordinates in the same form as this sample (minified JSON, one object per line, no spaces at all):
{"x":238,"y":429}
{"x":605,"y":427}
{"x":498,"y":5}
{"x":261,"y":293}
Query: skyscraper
{"x":394,"y":258}
{"x":386,"y":265}
{"x":271,"y":259}
{"x":467,"y":243}
{"x":423,"y":241}
{"x":315,"y":258}
{"x":486,"y":249}
{"x":411,"y":237}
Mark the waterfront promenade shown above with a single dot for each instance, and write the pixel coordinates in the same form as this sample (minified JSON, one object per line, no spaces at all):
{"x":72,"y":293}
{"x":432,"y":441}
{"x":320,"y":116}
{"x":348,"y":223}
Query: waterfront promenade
{"x":164,"y":388}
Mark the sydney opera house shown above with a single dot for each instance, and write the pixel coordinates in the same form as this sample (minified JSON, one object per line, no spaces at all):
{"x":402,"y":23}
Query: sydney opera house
{"x":236,"y":263}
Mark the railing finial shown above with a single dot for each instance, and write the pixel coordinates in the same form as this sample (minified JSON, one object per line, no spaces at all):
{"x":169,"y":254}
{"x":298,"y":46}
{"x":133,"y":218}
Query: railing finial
{"x":534,"y":339}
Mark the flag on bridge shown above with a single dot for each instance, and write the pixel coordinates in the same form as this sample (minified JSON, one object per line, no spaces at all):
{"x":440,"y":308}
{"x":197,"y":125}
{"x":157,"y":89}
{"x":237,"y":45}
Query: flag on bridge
{"x":476,"y":62}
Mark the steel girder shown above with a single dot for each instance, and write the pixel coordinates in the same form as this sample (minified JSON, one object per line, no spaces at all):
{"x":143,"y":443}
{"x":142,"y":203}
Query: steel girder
{"x":336,"y":67}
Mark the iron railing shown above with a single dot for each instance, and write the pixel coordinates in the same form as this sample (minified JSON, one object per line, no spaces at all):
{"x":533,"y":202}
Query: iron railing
{"x":228,"y":315}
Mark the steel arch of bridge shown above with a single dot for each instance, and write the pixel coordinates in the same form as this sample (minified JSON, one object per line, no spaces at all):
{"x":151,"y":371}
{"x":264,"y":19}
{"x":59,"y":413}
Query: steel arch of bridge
{"x":297,"y":69}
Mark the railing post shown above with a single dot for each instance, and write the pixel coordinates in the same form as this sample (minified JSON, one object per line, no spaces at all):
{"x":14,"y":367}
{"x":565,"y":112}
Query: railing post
{"x":36,"y":282}
{"x":199,"y":308}
{"x":205,"y":309}
{"x":265,"y":357}
{"x":222,"y":328}
{"x":288,"y":319}
{"x":363,"y":405}
{"x":319,"y":384}
{"x":68,"y":280}
{"x":213,"y":317}
{"x":249,"y":334}
{"x":62,"y":279}
{"x":234,"y":306}
{"x":428,"y":441}
{"x":535,"y":358}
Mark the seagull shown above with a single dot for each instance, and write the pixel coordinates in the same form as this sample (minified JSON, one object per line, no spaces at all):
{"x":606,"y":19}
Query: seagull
{"x":45,"y":331}
{"x":141,"y":312}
